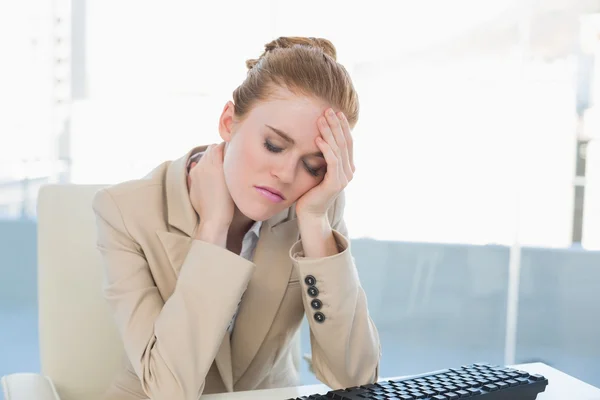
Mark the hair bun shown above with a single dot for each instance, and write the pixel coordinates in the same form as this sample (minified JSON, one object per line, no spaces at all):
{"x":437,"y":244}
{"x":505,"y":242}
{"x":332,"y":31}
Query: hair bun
{"x":286,"y":42}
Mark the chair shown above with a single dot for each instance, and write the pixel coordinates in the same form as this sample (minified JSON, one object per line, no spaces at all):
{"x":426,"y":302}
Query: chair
{"x":80,"y":348}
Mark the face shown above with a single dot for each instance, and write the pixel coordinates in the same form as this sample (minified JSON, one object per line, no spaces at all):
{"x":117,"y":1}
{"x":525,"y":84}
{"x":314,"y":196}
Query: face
{"x":272,"y":150}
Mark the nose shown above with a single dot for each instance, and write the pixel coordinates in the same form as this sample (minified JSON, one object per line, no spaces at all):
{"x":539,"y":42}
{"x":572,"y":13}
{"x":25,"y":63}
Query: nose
{"x":285,"y":170}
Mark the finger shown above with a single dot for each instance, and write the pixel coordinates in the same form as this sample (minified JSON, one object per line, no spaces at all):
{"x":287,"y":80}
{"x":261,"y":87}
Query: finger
{"x":335,"y":173}
{"x":336,"y":128}
{"x":327,"y":134}
{"x":210,"y":151}
{"x":219,"y":153}
{"x":189,"y":175}
{"x":338,"y":134}
{"x":348,"y":136}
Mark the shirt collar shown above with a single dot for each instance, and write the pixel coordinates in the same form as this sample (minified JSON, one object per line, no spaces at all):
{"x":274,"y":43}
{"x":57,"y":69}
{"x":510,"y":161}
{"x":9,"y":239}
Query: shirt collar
{"x":255,"y":228}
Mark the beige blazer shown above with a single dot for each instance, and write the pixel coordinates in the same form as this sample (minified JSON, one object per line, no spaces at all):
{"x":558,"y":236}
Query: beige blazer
{"x":173,"y":298}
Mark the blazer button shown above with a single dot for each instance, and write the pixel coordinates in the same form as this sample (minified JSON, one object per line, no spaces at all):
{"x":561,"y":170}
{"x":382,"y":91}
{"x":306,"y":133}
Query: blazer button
{"x":310,"y":280}
{"x":313,"y":291}
{"x":316,"y":304}
{"x":319,"y":317}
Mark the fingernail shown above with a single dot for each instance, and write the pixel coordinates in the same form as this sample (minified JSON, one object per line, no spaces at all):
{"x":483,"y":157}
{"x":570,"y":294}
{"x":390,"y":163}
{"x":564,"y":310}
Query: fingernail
{"x":331,"y":112}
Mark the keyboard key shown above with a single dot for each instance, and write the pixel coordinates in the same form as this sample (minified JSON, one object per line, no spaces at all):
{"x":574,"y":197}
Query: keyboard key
{"x":536,"y":377}
{"x":439,"y":397}
{"x":522,"y":381}
{"x":463,"y":393}
{"x":512,"y":382}
{"x":502,"y":385}
{"x":473,"y":391}
{"x":490,"y":387}
{"x":369,"y":386}
{"x":451,"y":396}
{"x":439,"y":389}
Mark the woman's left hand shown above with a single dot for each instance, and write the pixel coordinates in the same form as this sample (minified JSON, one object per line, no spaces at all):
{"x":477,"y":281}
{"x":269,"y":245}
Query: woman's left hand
{"x":335,"y":142}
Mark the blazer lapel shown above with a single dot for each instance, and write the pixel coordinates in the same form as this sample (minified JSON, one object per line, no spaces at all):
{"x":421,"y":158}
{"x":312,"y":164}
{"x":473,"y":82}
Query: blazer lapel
{"x":176,"y":247}
{"x":180,"y":212}
{"x":223,"y":360}
{"x":264,"y":293}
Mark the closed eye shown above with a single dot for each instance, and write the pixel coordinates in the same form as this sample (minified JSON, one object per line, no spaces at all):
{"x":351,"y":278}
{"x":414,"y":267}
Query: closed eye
{"x":312,"y":171}
{"x":274,"y":149}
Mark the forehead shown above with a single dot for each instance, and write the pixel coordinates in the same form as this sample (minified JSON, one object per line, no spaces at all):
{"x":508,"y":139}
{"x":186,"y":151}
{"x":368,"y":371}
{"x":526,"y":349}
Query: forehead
{"x":294,"y":114}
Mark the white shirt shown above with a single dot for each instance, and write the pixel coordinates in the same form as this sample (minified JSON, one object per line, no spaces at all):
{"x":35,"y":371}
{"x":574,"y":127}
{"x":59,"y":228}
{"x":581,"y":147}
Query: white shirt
{"x":248,"y":242}
{"x":248,"y":246}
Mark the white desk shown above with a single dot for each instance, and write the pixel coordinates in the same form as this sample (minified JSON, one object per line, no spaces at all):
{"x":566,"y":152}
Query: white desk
{"x":560,"y":387}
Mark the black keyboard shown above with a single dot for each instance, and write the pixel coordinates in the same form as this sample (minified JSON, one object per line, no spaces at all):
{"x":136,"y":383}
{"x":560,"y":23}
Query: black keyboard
{"x":481,"y":381}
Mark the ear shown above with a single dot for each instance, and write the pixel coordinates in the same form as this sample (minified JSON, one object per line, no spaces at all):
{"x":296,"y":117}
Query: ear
{"x":226,"y":122}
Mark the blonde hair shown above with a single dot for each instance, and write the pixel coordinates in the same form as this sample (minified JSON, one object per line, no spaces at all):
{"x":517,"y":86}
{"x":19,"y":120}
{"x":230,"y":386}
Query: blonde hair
{"x":305,"y":66}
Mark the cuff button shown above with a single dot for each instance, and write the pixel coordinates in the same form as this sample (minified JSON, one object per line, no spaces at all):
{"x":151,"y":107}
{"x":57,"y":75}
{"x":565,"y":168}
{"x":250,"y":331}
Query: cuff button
{"x":316,"y":304}
{"x":319,"y":317}
{"x":310,"y":280}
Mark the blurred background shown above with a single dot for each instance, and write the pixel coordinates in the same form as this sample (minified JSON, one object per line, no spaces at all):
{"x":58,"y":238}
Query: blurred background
{"x":479,"y":128}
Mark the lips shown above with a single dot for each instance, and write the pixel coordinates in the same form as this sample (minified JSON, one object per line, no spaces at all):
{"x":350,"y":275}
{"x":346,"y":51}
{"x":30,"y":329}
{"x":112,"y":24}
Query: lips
{"x":273,"y":191}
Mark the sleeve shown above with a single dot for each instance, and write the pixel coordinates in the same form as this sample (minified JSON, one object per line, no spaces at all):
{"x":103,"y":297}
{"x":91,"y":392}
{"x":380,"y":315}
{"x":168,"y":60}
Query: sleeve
{"x":171,"y":344}
{"x":344,"y":340}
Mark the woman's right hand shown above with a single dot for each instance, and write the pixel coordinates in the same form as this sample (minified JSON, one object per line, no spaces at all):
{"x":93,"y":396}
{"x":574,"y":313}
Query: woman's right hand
{"x":210,"y":196}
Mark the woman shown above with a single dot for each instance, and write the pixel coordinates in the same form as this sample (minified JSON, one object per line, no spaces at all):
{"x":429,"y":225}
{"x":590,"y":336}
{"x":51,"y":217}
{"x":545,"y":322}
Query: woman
{"x":213,"y":259}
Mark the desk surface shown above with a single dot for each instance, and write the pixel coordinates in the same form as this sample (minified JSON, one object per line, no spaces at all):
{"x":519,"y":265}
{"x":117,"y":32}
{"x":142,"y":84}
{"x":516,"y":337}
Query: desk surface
{"x":560,"y":387}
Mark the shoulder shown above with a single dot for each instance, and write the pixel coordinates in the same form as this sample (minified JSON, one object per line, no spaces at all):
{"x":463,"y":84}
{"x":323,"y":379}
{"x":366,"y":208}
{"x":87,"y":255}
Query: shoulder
{"x":133,"y":199}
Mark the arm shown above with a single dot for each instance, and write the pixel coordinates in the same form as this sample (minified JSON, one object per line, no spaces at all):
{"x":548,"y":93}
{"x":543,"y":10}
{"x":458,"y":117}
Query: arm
{"x":171,"y":344}
{"x":345,"y":346}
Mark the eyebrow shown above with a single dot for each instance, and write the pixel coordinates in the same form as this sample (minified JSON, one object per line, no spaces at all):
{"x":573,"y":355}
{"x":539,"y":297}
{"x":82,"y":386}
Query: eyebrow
{"x":288,"y":139}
